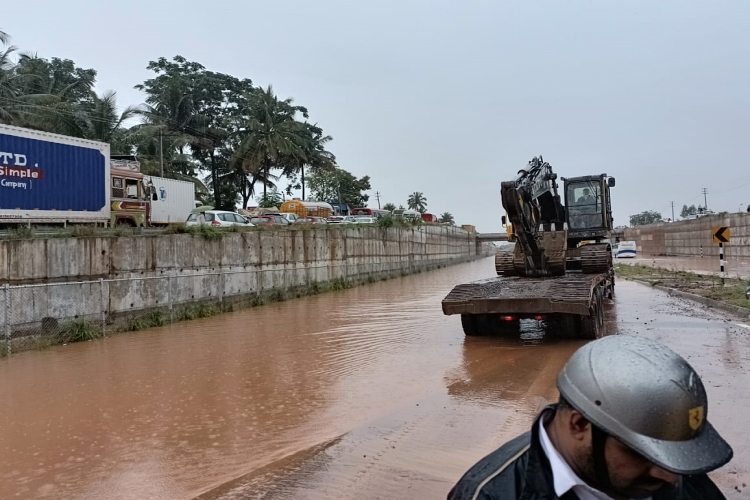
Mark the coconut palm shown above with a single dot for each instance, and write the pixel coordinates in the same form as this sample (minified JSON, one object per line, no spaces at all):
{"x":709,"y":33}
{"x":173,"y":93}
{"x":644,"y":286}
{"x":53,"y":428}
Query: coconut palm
{"x":389,"y":206}
{"x":271,"y":137}
{"x":104,"y":123}
{"x":447,"y":218}
{"x":417,"y":201}
{"x":8,"y":93}
{"x":314,"y":154}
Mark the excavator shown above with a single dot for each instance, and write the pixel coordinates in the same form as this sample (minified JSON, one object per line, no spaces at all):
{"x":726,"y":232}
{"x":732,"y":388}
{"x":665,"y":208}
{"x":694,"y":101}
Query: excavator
{"x":560,"y":270}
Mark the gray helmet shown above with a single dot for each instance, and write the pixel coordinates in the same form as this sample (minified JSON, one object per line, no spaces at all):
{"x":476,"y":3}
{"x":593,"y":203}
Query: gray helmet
{"x":648,"y":397}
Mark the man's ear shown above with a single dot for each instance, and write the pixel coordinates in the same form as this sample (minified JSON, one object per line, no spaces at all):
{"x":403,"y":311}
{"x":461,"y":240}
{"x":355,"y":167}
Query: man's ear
{"x":577,"y":425}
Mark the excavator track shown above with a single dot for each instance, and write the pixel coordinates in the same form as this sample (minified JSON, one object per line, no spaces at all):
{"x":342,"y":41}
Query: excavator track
{"x":596,"y":258}
{"x":504,"y":264}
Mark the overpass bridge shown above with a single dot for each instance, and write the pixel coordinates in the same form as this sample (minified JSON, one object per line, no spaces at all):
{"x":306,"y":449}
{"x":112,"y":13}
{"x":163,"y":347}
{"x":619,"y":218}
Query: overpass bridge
{"x":481,"y":237}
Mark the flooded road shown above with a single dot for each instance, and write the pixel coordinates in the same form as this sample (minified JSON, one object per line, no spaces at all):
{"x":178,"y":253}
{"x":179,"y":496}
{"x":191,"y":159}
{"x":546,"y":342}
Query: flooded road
{"x":366,"y":393}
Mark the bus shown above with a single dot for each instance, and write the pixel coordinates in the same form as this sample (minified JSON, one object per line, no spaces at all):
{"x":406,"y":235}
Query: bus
{"x":369,"y":212}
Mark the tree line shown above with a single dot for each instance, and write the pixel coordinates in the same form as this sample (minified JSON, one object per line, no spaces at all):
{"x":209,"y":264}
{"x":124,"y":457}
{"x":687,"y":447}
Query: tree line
{"x":225,"y":134}
{"x":193,"y":121}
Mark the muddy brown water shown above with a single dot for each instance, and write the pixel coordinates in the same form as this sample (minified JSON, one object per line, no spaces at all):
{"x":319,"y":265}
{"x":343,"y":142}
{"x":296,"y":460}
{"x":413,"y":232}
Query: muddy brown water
{"x":368,"y":393}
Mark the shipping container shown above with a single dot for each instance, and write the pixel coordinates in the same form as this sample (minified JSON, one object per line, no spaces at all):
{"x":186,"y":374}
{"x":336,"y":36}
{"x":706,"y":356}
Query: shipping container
{"x":171,"y":200}
{"x":51,"y":178}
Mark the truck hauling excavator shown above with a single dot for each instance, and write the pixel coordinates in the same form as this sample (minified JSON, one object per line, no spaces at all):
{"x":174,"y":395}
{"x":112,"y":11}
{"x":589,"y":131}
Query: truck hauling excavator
{"x":560,"y":270}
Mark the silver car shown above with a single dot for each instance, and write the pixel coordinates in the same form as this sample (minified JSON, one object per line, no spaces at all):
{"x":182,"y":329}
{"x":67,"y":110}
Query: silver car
{"x":217,"y":218}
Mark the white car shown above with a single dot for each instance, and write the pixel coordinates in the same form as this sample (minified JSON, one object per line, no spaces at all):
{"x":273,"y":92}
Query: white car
{"x":218,"y":218}
{"x":341,"y":219}
{"x":365,"y":220}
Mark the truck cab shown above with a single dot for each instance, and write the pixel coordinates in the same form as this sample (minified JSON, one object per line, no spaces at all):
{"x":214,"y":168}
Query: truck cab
{"x":129,"y":199}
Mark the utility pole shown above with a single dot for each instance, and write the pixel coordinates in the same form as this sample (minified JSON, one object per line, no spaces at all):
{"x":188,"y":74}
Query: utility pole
{"x":705,"y":200}
{"x":377,"y":195}
{"x":161,"y":155}
{"x":672,"y":211}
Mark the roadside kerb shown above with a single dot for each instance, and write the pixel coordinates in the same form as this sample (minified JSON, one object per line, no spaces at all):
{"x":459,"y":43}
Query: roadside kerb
{"x":715,"y":304}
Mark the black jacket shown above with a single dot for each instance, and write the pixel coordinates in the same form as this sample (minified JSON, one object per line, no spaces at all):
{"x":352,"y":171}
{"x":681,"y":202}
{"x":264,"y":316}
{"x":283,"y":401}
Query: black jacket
{"x":520,"y":470}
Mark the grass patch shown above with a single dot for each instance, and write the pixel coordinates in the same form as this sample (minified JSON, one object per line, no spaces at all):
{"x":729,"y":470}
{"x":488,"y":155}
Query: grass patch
{"x":709,"y":286}
{"x":78,"y":331}
{"x":154,"y":318}
{"x":21,"y":233}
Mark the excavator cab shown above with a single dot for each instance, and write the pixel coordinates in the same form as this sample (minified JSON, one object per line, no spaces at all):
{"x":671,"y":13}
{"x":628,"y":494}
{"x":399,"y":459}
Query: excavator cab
{"x":588,"y":207}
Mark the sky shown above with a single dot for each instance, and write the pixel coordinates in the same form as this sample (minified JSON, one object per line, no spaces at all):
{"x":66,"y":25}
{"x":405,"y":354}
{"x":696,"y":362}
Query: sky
{"x":452,"y":98}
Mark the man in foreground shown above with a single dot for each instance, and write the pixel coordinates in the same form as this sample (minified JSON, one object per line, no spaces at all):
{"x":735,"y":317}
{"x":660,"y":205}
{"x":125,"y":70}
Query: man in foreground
{"x":630,"y":424}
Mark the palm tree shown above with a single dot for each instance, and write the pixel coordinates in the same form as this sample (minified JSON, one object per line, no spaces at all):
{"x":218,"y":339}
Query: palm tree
{"x":272,"y":136}
{"x":417,"y":201}
{"x":389,"y":206}
{"x":7,"y":78}
{"x":314,"y":154}
{"x":103,"y":122}
{"x":447,"y":218}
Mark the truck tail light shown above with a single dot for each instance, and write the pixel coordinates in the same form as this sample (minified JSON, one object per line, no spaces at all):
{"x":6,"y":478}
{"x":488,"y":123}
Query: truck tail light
{"x":215,"y":223}
{"x":507,"y":318}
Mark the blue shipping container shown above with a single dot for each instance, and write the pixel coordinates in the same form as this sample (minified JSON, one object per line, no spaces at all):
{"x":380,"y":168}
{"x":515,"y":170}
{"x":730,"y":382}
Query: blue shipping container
{"x":43,"y":175}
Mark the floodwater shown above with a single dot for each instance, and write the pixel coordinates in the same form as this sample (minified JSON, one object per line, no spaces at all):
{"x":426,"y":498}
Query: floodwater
{"x":365,"y":393}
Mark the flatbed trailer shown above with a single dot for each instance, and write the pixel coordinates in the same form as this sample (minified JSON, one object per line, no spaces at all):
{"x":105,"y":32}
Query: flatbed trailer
{"x":572,"y":305}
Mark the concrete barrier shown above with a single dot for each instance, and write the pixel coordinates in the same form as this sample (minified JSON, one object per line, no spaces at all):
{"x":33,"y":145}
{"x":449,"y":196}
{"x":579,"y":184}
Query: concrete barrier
{"x":107,"y":281}
{"x":692,"y":238}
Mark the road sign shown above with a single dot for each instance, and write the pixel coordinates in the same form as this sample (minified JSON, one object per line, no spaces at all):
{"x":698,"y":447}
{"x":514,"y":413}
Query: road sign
{"x":721,"y":234}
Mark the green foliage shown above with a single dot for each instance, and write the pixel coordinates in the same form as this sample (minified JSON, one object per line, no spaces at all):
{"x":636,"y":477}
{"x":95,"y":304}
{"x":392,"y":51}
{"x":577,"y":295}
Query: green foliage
{"x":417,"y":201}
{"x":447,"y":218}
{"x":330,"y":185}
{"x":271,"y":199}
{"x":79,"y":331}
{"x":645,"y":218}
{"x":688,"y":210}
{"x":195,"y":120}
{"x":386,"y":221}
{"x":21,"y":233}
{"x":389,"y":206}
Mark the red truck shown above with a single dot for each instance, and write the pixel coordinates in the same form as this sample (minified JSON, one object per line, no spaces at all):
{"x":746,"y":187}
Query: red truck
{"x":429,"y":217}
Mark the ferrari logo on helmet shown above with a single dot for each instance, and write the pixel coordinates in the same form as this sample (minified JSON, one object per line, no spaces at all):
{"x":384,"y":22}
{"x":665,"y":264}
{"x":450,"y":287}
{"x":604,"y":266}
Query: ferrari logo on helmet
{"x":695,"y":417}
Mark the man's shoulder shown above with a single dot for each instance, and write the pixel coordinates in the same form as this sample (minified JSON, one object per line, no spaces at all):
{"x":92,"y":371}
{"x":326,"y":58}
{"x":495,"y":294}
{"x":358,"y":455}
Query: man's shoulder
{"x":495,"y":472}
{"x":700,"y":487}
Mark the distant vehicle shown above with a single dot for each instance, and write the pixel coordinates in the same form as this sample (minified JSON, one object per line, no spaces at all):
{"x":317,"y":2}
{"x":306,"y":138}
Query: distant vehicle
{"x":369,"y":212}
{"x":401,"y":213}
{"x":429,"y":217}
{"x":311,"y":220}
{"x":366,"y":220}
{"x":171,"y":199}
{"x":292,"y":218}
{"x":217,"y":218}
{"x":51,"y":178}
{"x":307,"y":208}
{"x":342,"y":219}
{"x":625,"y":249}
{"x":270,"y":220}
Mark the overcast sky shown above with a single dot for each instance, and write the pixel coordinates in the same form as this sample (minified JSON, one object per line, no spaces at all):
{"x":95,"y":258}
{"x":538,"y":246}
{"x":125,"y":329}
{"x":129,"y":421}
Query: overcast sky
{"x":451,"y":98}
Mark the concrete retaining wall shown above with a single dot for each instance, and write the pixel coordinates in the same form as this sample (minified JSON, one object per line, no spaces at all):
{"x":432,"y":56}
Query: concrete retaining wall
{"x":691,"y":237}
{"x":103,"y":279}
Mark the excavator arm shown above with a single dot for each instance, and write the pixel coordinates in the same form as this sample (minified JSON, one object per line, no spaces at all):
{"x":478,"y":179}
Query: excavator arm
{"x":531,"y":201}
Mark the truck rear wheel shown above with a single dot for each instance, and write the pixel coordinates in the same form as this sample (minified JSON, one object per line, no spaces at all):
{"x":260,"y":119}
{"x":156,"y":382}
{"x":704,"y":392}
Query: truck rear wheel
{"x":469,"y":324}
{"x":592,"y":326}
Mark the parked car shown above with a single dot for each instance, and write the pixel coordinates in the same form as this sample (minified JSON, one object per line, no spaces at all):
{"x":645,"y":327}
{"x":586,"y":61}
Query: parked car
{"x":292,"y":218}
{"x":270,"y":220}
{"x":217,"y":218}
{"x":365,"y":220}
{"x":311,"y":220}
{"x":341,"y":219}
